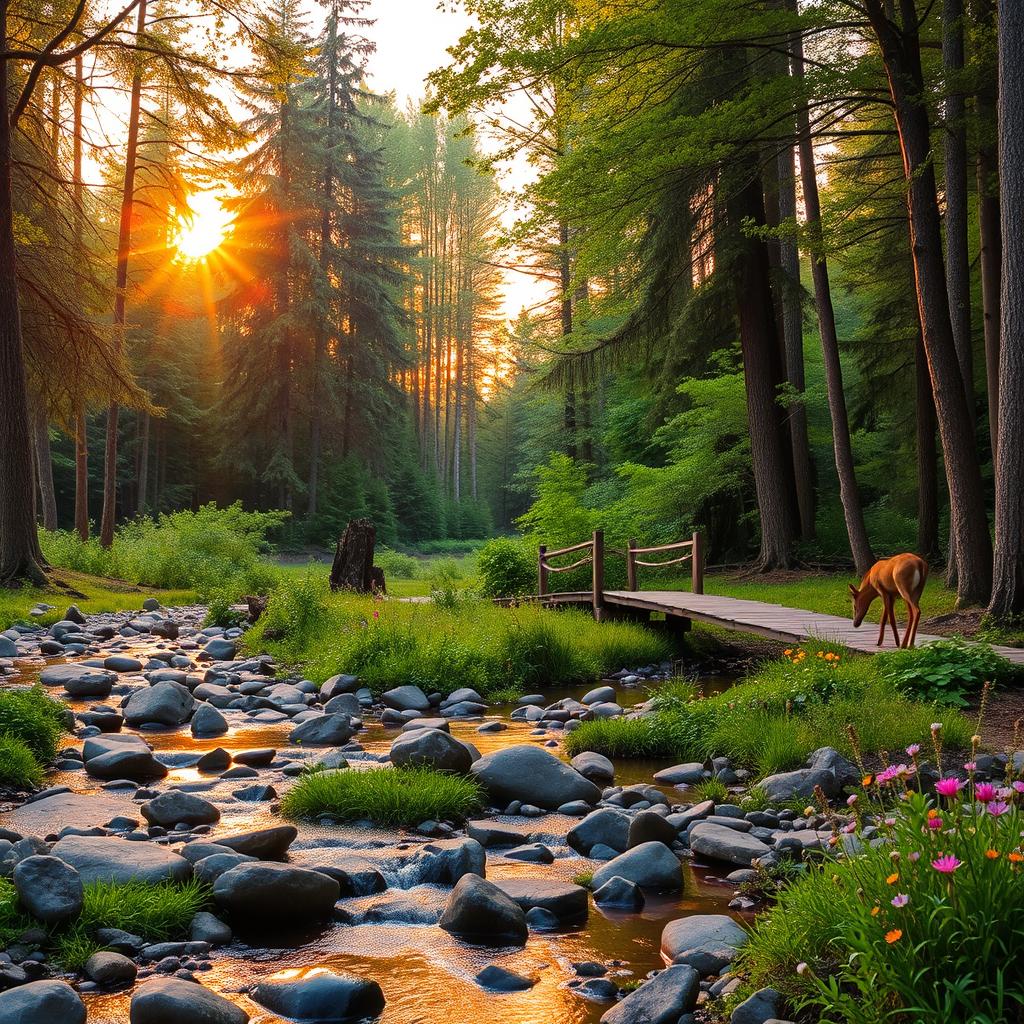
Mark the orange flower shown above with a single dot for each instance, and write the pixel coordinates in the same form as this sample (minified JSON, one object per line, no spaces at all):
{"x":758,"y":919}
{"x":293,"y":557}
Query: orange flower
{"x":932,"y":812}
{"x":992,"y":854}
{"x":894,"y":936}
{"x":893,"y":878}
{"x":874,"y":911}
{"x":1015,"y":857}
{"x":866,"y":781}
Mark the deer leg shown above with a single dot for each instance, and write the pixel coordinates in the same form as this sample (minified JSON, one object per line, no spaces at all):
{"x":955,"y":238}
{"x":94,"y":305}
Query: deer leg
{"x":910,"y":637}
{"x":890,"y":614}
{"x":881,"y":628}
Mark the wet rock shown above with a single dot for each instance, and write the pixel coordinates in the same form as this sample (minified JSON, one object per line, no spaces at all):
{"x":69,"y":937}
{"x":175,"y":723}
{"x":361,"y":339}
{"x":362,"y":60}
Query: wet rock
{"x":279,"y":891}
{"x":427,"y":723}
{"x":650,"y":865}
{"x":540,"y":920}
{"x":649,"y":827}
{"x":406,"y":698}
{"x":533,"y":776}
{"x":532,"y":853}
{"x":255,"y":794}
{"x":48,"y":888}
{"x":829,"y":759}
{"x":786,"y":786}
{"x":79,"y":680}
{"x":168,"y":704}
{"x":431,"y":748}
{"x":220,"y":649}
{"x":490,"y":834}
{"x":110,"y":969}
{"x":338,"y":684}
{"x":394,"y":907}
{"x":121,"y":756}
{"x":258,"y":758}
{"x":323,"y":731}
{"x":122,"y":663}
{"x":321,"y":997}
{"x":662,"y":1000}
{"x":707,"y":942}
{"x":356,"y":875}
{"x":444,"y":862}
{"x":498,"y":979}
{"x":464,"y":693}
{"x":681,"y":774}
{"x":174,"y":807}
{"x":102,"y":859}
{"x":119,"y":941}
{"x":605,"y":827}
{"x":480,"y":912}
{"x":208,"y":869}
{"x":345,"y":704}
{"x":600,"y":990}
{"x":208,"y":721}
{"x":720,"y":842}
{"x":42,"y":1002}
{"x":620,"y":892}
{"x":205,"y":927}
{"x":265,"y":843}
{"x":216,"y":760}
{"x":595,"y":767}
{"x":174,"y":1001}
{"x":568,"y":902}
{"x":760,"y":1008}
{"x":599,"y":695}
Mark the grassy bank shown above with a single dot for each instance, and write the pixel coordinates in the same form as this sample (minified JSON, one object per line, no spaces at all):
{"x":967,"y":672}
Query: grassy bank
{"x":31,"y":725}
{"x":443,"y":646}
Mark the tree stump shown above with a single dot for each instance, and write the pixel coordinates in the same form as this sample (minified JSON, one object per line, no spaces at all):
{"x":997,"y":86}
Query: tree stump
{"x":353,"y":558}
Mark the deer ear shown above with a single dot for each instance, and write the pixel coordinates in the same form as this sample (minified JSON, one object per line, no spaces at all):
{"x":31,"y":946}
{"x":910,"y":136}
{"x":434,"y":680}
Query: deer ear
{"x":853,"y":590}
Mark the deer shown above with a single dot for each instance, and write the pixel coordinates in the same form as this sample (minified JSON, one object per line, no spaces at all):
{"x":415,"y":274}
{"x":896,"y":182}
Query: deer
{"x":900,"y":576}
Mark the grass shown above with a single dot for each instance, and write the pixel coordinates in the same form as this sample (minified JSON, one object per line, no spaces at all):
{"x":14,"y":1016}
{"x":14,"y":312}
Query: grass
{"x":33,"y":717}
{"x":397,"y":797}
{"x":710,"y":789}
{"x":18,"y":767}
{"x":443,"y":646}
{"x":585,"y":879}
{"x":13,"y":921}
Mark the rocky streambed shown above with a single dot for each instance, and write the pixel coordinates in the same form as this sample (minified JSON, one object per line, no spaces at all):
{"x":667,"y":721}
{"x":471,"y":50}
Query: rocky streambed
{"x":182,"y":752}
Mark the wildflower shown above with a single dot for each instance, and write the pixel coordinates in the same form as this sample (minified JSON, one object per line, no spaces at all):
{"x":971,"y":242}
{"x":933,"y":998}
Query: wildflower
{"x":946,"y":864}
{"x":376,"y":614}
{"x":808,"y":811}
{"x":851,"y":799}
{"x":850,"y":827}
{"x":890,"y":822}
{"x":914,"y":749}
{"x":914,"y":856}
{"x":932,"y":812}
{"x":948,"y":786}
{"x":992,"y":854}
{"x":894,"y":936}
{"x":1014,"y":857}
{"x":935,"y":824}
{"x":985,"y":792}
{"x":893,"y":878}
{"x":901,"y":899}
{"x":788,"y":651}
{"x":802,"y":968}
{"x":874,"y":911}
{"x":975,"y":740}
{"x":866,"y":781}
{"x":1018,"y":785}
{"x":970,"y":766}
{"x":998,"y":807}
{"x":936,"y":727}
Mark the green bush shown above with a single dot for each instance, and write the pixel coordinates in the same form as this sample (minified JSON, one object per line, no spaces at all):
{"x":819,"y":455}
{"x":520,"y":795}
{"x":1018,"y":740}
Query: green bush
{"x":710,"y":789}
{"x":18,"y":767}
{"x":394,"y":564}
{"x":34,"y":718}
{"x":206,"y":550}
{"x":507,"y":567}
{"x":945,"y":671}
{"x":397,"y":797}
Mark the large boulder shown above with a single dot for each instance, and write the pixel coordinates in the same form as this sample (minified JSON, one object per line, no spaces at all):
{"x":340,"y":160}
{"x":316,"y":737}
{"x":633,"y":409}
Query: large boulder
{"x":276,"y":891}
{"x":650,"y":865}
{"x":48,"y":888}
{"x":719,"y":842}
{"x":662,"y":1000}
{"x":321,"y":998}
{"x":681,"y":774}
{"x":102,"y":859}
{"x":323,"y":731}
{"x":706,"y":942}
{"x":603,"y":827}
{"x":110,"y":969}
{"x":174,"y":1001}
{"x":431,"y":748}
{"x":829,"y":759}
{"x":174,"y":807}
{"x":79,"y":680}
{"x":208,"y":721}
{"x":121,"y":756}
{"x":42,"y":1002}
{"x":648,"y":827}
{"x":778,"y":789}
{"x":265,"y":843}
{"x":166,"y":703}
{"x":569,"y":903}
{"x":480,"y":912}
{"x":533,"y":776}
{"x":220,"y":649}
{"x":595,"y":767}
{"x":406,"y":698}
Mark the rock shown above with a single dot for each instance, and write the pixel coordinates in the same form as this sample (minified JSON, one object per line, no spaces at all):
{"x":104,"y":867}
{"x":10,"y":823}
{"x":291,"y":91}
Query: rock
{"x":42,"y":1002}
{"x":719,"y":842}
{"x":259,"y":758}
{"x":174,"y":806}
{"x":345,"y":704}
{"x":110,"y":969}
{"x":338,"y":684}
{"x":681,"y":774}
{"x":323,"y":731}
{"x":118,"y":756}
{"x":461,"y":695}
{"x":208,"y":869}
{"x":648,"y":827}
{"x":220,"y":649}
{"x":321,"y":997}
{"x":261,"y":889}
{"x":266,"y":843}
{"x":103,"y":859}
{"x":431,"y":748}
{"x":48,"y":888}
{"x":603,"y":827}
{"x":61,"y":810}
{"x":406,"y":698}
{"x":173,"y":1001}
{"x":208,"y":721}
{"x":79,"y":680}
{"x":532,"y":853}
{"x":151,"y":604}
{"x":662,"y":1000}
{"x":620,"y":892}
{"x":216,"y":760}
{"x":165,"y":703}
{"x":650,"y":865}
{"x":445,"y":861}
{"x":479,"y":911}
{"x":497,"y":979}
{"x":122,"y":663}
{"x":785,"y":786}
{"x":533,"y":776}
{"x":829,"y":759}
{"x":595,"y":767}
{"x":708,"y":942}
{"x":566,"y":901}
{"x":599,"y":695}
{"x":8,"y":648}
{"x":205,"y":927}
{"x":760,"y":1008}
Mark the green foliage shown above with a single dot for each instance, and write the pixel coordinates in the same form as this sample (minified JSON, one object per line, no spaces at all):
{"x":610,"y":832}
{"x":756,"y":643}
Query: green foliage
{"x":634,"y":738}
{"x":34,"y":718}
{"x":507,"y":567}
{"x":710,"y":789}
{"x":13,"y":920}
{"x":396,"y":797}
{"x":584,"y":879}
{"x":946,"y":671}
{"x":394,"y":564}
{"x":212,"y":549}
{"x":18,"y":767}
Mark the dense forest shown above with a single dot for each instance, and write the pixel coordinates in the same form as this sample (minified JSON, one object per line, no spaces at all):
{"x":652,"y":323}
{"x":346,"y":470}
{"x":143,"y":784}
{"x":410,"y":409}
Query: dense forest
{"x":776,"y":250}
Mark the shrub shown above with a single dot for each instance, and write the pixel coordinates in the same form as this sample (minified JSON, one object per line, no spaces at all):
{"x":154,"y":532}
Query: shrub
{"x":394,"y":564}
{"x":710,"y":789}
{"x":397,"y":797}
{"x":945,"y":671}
{"x":18,"y":767}
{"x":34,"y":718}
{"x":507,"y":567}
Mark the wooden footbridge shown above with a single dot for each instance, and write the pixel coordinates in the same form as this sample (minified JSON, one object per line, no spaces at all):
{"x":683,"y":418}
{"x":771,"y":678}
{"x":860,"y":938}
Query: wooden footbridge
{"x":680,"y":607}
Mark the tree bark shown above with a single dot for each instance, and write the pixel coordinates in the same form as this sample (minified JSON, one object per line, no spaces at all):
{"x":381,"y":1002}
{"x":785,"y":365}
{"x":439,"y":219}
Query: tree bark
{"x":1008,"y":575}
{"x":142,"y":499}
{"x":124,"y":242}
{"x":353,"y":558}
{"x":565,"y":310}
{"x":842,"y":446}
{"x":81,"y":438}
{"x":927,"y":468}
{"x":81,"y":475}
{"x":44,"y":465}
{"x":900,"y":48}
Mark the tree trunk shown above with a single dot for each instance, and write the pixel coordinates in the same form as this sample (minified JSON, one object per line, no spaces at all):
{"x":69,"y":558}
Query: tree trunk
{"x":142,"y":502}
{"x":1008,"y":576}
{"x":81,"y":438}
{"x":20,"y":556}
{"x":353,"y":558}
{"x":842,"y":446}
{"x":901,"y":53}
{"x":565,"y":280}
{"x":124,"y":242}
{"x":81,"y":475}
{"x":44,"y":465}
{"x":927,"y":470}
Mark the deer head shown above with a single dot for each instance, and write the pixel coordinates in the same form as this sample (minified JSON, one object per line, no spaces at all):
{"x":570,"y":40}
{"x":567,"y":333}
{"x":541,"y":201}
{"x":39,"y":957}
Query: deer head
{"x":862,"y":599}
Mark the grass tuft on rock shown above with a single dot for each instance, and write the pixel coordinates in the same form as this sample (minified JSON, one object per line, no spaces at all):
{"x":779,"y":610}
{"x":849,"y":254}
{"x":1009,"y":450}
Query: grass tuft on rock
{"x":396,"y":797}
{"x":18,"y":767}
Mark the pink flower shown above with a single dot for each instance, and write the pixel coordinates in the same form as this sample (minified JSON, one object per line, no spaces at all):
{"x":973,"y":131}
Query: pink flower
{"x":850,"y":827}
{"x":969,"y":766}
{"x":376,"y":614}
{"x":901,"y":899}
{"x":1018,"y":786}
{"x":985,"y":792}
{"x":935,"y":824}
{"x":948,"y":787}
{"x":997,"y":807}
{"x":851,"y":799}
{"x":946,"y":864}
{"x":914,"y":749}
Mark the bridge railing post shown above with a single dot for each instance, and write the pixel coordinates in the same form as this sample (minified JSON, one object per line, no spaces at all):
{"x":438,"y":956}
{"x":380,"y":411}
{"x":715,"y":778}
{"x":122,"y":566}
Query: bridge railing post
{"x":598,"y":560}
{"x":631,"y":565}
{"x":697,"y":563}
{"x":542,"y":571}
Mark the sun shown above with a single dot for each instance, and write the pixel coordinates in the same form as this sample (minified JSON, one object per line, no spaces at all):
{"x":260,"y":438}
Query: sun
{"x":203,"y":228}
